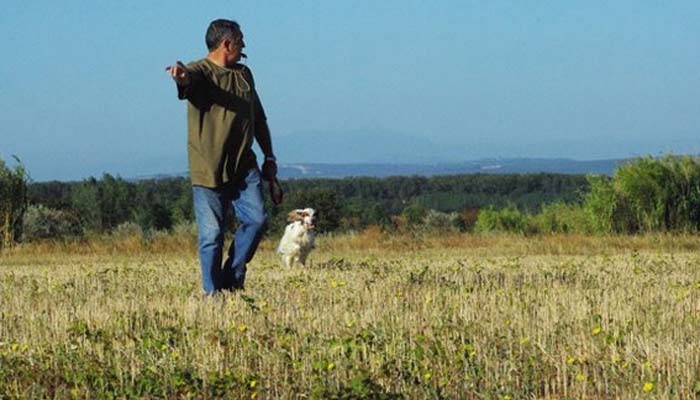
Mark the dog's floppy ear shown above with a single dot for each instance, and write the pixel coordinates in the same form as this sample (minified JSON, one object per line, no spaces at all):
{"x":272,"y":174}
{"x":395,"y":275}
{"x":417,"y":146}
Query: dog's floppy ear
{"x":296,"y":215}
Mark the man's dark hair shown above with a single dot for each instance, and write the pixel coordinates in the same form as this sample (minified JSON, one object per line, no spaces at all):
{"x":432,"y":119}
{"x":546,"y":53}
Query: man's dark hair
{"x":219,"y":30}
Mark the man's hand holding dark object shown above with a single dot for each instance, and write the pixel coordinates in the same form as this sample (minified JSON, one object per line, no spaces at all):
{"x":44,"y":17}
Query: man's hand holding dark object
{"x":269,"y":173}
{"x":269,"y":169}
{"x":179,"y":73}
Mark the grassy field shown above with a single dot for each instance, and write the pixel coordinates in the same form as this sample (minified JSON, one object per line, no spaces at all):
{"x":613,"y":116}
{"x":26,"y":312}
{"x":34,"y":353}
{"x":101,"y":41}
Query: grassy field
{"x":374,"y":316}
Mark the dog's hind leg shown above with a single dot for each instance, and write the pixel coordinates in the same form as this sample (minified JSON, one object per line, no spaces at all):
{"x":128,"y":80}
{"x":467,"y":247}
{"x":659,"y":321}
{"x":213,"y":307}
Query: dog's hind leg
{"x":302,"y":259}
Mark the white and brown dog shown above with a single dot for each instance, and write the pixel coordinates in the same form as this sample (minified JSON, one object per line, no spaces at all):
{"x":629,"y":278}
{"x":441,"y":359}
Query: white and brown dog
{"x":298,"y":239}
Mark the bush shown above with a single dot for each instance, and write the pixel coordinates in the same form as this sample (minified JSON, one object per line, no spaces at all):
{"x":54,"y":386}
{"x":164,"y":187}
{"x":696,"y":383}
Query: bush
{"x":508,"y":219}
{"x":647,"y":195}
{"x":563,"y":218}
{"x":127,"y":230}
{"x":415,"y":214}
{"x":42,"y":222}
{"x":467,"y":219}
{"x":441,"y":221}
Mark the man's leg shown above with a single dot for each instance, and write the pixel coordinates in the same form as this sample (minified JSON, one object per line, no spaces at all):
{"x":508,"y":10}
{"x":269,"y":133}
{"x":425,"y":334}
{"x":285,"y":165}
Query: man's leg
{"x":250,"y":211}
{"x":209,"y":208}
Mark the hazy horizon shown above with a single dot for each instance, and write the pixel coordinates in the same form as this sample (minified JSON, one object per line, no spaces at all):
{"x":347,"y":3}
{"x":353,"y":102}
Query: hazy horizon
{"x":85,"y":92}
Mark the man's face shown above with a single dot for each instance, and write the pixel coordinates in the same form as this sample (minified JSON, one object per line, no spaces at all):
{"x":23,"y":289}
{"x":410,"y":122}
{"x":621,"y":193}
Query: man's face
{"x":234,"y":48}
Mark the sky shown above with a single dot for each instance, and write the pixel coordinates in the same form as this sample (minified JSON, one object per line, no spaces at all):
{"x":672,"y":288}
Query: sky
{"x":83,"y":89}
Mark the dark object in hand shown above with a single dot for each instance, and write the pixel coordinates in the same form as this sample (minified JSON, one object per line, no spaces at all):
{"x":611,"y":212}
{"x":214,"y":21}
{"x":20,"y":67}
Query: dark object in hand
{"x":269,"y":170}
{"x":276,"y":193}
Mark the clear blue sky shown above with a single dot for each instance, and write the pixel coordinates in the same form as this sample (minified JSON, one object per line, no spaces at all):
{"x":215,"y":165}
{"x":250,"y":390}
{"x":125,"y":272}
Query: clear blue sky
{"x":83,"y":90}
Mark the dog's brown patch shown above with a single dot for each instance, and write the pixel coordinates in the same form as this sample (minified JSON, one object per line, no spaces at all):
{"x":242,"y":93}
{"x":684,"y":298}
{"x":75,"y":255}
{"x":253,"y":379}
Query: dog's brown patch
{"x":296,"y":215}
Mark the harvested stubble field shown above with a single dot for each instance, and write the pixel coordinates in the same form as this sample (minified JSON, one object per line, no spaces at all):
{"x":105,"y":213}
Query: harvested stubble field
{"x":374,"y":316}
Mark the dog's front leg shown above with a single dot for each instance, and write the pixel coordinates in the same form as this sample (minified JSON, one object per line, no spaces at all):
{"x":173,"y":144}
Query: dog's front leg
{"x":287,"y":260}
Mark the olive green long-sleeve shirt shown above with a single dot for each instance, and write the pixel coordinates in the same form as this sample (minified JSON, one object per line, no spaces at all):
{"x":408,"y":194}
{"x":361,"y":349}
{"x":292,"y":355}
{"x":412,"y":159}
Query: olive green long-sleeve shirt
{"x":224,"y":115}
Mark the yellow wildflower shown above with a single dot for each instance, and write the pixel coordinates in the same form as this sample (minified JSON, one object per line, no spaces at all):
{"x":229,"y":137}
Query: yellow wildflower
{"x":648,"y":387}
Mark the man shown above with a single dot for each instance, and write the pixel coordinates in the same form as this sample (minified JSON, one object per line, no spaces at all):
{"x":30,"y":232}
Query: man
{"x":224,"y":115}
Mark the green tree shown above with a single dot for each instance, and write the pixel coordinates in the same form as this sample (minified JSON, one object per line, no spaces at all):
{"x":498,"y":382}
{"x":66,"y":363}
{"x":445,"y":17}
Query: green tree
{"x":85,"y":201}
{"x":13,"y":202}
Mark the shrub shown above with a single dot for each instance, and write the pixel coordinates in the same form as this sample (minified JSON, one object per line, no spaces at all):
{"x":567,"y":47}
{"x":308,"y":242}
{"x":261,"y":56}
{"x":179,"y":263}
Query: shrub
{"x":508,"y":219}
{"x":563,"y":218}
{"x":441,"y":221}
{"x":415,"y":213}
{"x":647,"y":195}
{"x":468,"y":219}
{"x":42,"y":222}
{"x":128,"y":230}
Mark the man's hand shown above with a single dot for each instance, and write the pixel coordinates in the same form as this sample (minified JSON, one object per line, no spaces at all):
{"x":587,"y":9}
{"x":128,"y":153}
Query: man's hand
{"x":269,"y":173}
{"x":179,"y":73}
{"x":269,"y":170}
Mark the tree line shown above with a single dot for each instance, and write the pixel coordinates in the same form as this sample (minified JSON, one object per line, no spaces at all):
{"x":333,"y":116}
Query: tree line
{"x":101,"y":205}
{"x":644,"y":195}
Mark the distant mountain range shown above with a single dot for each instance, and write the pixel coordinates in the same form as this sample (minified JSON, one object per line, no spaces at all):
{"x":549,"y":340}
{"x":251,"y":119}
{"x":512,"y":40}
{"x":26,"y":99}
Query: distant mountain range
{"x":380,"y":153}
{"x":487,"y":166}
{"x":364,"y":147}
{"x":376,"y":153}
{"x":490,"y":166}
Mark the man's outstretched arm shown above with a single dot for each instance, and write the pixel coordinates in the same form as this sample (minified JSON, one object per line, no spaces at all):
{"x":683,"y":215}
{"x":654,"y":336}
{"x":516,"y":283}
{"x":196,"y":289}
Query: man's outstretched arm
{"x":182,"y":77}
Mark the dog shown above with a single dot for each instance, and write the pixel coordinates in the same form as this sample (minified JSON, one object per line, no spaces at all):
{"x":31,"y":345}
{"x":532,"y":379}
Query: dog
{"x":298,"y":239}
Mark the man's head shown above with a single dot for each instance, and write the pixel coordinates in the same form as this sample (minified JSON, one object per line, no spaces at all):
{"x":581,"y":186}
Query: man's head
{"x":225,"y":36}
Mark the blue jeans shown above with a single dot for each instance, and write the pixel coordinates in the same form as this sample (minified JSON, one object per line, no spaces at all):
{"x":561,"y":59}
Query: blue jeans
{"x":210,"y":206}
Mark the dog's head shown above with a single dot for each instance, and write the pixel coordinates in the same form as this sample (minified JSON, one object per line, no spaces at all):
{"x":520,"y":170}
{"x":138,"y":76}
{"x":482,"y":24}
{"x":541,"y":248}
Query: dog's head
{"x":307,"y":217}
